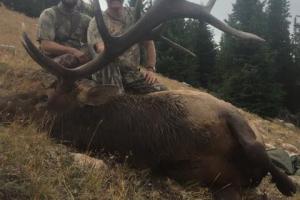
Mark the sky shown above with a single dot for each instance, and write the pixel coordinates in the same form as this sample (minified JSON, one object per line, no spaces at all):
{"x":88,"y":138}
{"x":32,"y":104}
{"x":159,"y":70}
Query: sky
{"x":223,"y":8}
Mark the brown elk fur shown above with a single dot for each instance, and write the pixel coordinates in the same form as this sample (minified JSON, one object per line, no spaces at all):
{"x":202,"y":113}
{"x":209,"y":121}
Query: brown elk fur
{"x":187,"y":135}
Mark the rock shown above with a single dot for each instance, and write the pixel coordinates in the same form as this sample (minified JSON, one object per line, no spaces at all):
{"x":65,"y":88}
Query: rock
{"x":291,"y":149}
{"x":279,"y":141}
{"x":270,"y":146}
{"x":85,"y":160}
{"x":289,"y":125}
{"x":279,"y":121}
{"x":281,"y":159}
{"x":255,"y":194}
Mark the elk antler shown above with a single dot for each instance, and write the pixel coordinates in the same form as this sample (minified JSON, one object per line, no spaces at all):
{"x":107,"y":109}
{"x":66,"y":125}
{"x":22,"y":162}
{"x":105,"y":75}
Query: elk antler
{"x":161,"y":11}
{"x":175,"y":45}
{"x":210,"y":4}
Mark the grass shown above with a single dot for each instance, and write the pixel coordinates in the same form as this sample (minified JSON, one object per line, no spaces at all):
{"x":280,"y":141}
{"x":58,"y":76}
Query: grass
{"x":10,"y":34}
{"x":32,"y":166}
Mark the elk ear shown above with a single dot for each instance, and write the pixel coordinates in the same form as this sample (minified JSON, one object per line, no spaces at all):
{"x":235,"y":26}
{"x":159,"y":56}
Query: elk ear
{"x":90,"y":93}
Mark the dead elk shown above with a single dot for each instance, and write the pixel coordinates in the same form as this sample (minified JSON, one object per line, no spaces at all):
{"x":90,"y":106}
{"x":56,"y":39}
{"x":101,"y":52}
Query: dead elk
{"x":188,"y":135}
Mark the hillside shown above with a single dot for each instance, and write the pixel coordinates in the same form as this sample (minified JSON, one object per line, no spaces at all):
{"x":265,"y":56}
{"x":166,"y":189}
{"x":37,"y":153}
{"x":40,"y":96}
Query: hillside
{"x":33,"y":166}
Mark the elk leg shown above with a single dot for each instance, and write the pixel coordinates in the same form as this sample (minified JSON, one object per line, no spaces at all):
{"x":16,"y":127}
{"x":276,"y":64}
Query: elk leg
{"x":227,"y":193}
{"x":256,"y":153}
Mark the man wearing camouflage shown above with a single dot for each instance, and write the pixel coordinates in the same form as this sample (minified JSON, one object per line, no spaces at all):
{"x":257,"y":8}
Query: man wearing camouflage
{"x":124,"y":71}
{"x":62,"y":34}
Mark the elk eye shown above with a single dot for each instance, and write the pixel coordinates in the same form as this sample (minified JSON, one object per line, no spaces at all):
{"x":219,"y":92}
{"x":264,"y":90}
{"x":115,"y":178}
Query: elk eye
{"x":44,"y":98}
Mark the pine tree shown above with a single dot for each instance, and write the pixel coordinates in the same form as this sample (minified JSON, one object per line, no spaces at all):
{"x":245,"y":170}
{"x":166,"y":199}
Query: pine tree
{"x":173,"y":63}
{"x":296,"y":62}
{"x":278,"y":37}
{"x":200,"y":39}
{"x":170,"y":61}
{"x":244,"y":67}
{"x":33,"y":8}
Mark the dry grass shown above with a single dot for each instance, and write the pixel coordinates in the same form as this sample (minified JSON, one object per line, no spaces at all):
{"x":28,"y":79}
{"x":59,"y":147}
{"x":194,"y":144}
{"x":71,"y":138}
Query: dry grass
{"x":10,"y":34}
{"x":32,"y":166}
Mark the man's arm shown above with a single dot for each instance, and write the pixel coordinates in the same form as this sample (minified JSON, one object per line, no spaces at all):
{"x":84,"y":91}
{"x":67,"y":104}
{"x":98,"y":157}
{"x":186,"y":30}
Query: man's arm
{"x":150,"y":61}
{"x":94,"y":38}
{"x":150,"y":55}
{"x":56,"y":49}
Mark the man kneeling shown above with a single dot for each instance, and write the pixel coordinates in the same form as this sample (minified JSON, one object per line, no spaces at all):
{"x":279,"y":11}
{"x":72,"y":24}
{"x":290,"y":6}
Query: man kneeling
{"x":62,"y":34}
{"x":124,"y":72}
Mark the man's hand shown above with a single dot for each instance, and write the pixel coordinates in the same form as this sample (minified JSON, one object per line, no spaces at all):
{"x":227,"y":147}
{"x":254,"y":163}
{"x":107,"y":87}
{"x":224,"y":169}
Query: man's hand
{"x":150,"y":77}
{"x":82,"y":57}
{"x":57,"y":49}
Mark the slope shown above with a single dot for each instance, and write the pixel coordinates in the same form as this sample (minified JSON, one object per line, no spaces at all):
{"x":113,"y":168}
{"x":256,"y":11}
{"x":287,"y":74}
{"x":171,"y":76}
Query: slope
{"x":33,"y":166}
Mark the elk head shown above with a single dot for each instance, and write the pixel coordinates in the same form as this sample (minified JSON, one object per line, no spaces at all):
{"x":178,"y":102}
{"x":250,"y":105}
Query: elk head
{"x":147,"y":27}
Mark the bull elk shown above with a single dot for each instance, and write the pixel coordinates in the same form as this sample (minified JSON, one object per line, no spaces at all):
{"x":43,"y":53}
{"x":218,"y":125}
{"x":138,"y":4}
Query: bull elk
{"x":188,"y":135}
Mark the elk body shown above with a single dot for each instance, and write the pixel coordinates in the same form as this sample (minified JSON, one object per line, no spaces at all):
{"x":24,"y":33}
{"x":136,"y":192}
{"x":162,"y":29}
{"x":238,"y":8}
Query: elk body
{"x":188,"y":135}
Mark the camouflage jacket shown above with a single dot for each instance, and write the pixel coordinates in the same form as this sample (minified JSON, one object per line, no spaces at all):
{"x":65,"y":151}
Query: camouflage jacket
{"x":56,"y":24}
{"x":117,"y":26}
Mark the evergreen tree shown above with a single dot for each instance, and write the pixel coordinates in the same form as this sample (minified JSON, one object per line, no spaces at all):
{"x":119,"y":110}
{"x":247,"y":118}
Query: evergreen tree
{"x":200,"y":39}
{"x":170,"y":61}
{"x":174,"y":63}
{"x":296,"y":62}
{"x":278,"y":37}
{"x":33,"y":8}
{"x":244,"y":67}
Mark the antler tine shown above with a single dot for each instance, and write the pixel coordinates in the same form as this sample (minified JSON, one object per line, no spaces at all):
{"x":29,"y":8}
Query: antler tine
{"x":102,"y":28}
{"x":177,"y":46}
{"x":45,"y":62}
{"x":164,"y":10}
{"x":138,"y":9}
{"x":60,"y":71}
{"x":210,"y":4}
{"x":155,"y":33}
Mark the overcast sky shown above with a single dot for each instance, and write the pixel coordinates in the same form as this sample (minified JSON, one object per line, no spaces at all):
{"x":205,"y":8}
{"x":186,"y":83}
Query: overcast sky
{"x":224,"y":7}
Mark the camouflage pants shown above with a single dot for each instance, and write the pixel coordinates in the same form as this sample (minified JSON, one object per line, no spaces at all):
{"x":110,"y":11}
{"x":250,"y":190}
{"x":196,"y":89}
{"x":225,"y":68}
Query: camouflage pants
{"x":135,"y":83}
{"x":129,"y":79}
